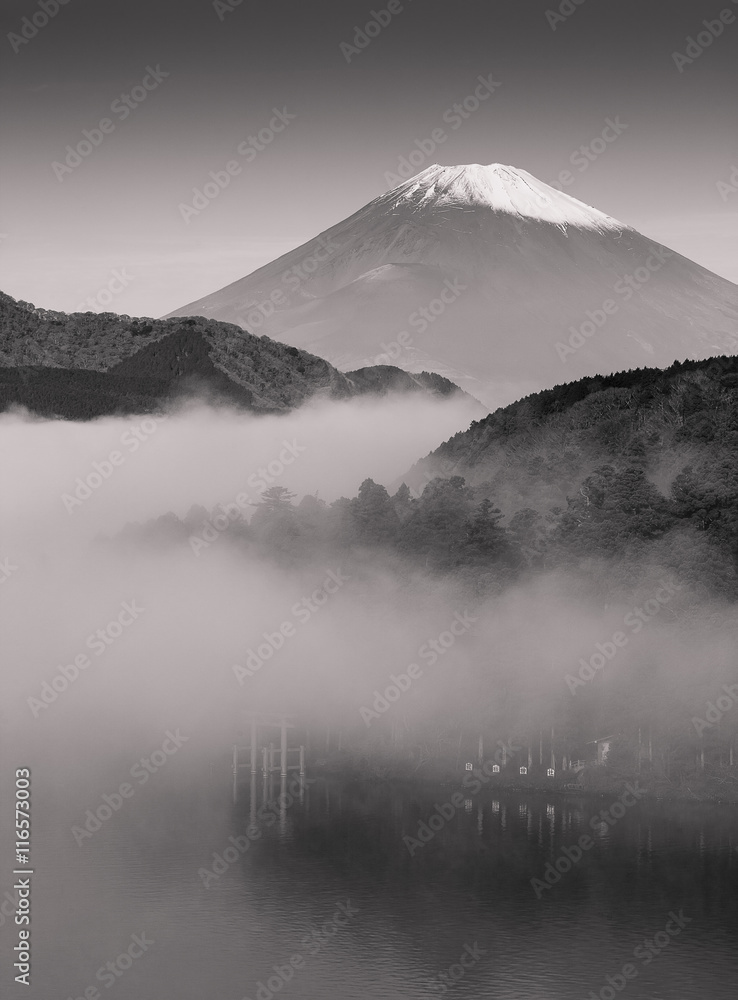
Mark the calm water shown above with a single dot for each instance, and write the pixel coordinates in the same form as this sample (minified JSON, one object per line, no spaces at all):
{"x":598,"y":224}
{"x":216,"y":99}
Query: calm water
{"x":405,"y":919}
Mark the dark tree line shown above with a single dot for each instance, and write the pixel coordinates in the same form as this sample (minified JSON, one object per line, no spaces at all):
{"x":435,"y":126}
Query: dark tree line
{"x":617,"y":519}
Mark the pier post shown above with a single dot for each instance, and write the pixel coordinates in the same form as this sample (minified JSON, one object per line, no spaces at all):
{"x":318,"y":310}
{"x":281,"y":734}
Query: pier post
{"x":283,"y":749}
{"x":253,"y":745}
{"x":302,"y":761}
{"x":282,"y":800}
{"x":252,"y":801}
{"x":235,"y":772}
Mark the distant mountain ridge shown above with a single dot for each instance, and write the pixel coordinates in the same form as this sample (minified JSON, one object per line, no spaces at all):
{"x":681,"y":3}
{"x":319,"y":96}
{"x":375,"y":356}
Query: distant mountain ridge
{"x":84,"y":365}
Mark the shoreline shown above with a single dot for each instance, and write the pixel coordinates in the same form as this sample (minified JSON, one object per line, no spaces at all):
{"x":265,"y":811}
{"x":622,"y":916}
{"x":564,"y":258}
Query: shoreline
{"x":698,"y":792}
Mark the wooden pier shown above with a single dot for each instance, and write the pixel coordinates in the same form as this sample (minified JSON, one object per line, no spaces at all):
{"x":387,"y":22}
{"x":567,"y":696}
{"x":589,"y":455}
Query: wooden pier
{"x":266,"y":757}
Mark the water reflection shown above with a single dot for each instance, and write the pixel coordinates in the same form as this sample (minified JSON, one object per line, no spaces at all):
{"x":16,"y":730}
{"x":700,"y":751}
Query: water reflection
{"x":426,"y":877}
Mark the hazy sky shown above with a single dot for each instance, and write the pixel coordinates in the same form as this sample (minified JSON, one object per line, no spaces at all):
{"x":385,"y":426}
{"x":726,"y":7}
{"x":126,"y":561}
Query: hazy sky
{"x":65,"y":230}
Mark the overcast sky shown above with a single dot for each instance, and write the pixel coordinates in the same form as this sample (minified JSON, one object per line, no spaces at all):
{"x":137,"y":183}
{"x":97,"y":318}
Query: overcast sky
{"x":65,"y":229}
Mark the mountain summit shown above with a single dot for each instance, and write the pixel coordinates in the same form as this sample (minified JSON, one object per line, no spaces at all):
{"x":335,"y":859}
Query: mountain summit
{"x":503,"y":189}
{"x":490,"y":277}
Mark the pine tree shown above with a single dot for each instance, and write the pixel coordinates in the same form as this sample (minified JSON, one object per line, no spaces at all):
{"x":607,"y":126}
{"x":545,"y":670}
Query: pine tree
{"x":374,"y":514}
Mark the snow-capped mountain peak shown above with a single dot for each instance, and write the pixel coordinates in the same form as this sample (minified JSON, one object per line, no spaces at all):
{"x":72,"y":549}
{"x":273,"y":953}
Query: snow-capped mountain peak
{"x":489,"y":277}
{"x":500,"y":188}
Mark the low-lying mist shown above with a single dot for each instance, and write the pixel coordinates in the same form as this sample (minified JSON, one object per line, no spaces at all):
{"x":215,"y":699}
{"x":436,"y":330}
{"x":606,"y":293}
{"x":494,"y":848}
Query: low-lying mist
{"x":109,"y":644}
{"x":204,"y":455}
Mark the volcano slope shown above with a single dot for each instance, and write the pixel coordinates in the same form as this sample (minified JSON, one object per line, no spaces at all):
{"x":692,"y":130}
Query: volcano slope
{"x":490,"y":278}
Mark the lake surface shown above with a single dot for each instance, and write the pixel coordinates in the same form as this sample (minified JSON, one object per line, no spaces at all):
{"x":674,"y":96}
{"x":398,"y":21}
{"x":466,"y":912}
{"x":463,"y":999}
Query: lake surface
{"x":331,"y":884}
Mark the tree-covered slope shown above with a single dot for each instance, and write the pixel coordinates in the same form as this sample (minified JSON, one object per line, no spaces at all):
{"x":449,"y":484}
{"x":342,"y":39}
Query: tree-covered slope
{"x":84,"y":365}
{"x":536,"y":451}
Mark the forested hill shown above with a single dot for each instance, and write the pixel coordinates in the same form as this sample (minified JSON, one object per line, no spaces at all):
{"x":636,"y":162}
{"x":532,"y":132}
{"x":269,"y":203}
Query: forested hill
{"x":535,"y":452}
{"x":84,"y":365}
{"x":615,"y":480}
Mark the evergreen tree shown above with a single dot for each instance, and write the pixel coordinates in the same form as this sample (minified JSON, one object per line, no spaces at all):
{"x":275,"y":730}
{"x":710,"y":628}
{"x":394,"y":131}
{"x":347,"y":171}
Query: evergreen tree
{"x":374,"y":514}
{"x":403,"y":502}
{"x":276,"y":499}
{"x":486,"y":540}
{"x":437,"y":530}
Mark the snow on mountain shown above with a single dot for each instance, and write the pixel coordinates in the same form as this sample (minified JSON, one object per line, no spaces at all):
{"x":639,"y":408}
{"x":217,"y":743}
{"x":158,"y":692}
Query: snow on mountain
{"x":489,"y":277}
{"x":502,"y":189}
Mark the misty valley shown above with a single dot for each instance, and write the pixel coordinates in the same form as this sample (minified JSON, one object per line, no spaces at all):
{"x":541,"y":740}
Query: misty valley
{"x":331,"y":677}
{"x":289,"y":729}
